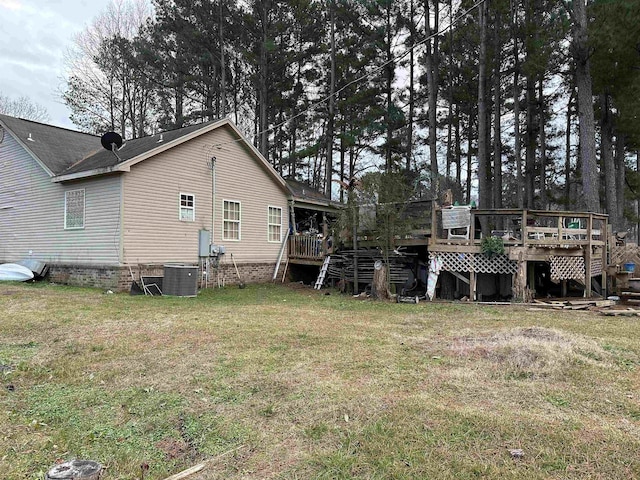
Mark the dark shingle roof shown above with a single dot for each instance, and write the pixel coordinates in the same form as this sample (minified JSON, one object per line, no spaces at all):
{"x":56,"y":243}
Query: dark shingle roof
{"x":131,"y":149}
{"x":57,"y":148}
{"x":66,"y":152}
{"x":304,"y":191}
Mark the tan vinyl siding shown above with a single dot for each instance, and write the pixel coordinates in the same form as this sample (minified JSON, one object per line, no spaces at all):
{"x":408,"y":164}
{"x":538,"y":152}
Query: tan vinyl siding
{"x":32,"y":214}
{"x":153,"y":232}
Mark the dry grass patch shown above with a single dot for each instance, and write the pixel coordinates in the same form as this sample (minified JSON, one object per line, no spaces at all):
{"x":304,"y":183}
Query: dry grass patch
{"x":532,"y":352}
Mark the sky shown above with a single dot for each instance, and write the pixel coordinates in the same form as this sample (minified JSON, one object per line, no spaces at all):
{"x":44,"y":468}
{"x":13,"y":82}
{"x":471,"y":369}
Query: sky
{"x":34,"y":35}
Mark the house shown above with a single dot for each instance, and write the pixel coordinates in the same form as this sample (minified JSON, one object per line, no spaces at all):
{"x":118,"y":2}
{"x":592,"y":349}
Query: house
{"x":92,"y":213}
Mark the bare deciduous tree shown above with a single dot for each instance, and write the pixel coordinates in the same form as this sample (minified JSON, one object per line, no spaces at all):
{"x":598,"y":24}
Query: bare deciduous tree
{"x":23,"y":107}
{"x":102,"y":91}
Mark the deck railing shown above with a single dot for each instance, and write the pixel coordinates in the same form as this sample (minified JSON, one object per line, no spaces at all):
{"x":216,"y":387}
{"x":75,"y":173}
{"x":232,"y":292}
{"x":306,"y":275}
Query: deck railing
{"x":535,"y":228}
{"x":306,"y":247}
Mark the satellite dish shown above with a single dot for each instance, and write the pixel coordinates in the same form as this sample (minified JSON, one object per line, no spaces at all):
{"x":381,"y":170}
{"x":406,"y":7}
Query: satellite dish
{"x":111,"y":141}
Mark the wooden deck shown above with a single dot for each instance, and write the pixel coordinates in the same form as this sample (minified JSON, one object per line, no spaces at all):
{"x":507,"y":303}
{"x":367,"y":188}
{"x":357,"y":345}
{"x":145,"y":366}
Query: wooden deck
{"x":574,"y":242}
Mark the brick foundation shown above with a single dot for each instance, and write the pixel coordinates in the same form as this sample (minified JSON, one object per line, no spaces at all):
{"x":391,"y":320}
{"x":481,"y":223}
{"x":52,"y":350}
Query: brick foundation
{"x":99,"y":276}
{"x":118,"y":278}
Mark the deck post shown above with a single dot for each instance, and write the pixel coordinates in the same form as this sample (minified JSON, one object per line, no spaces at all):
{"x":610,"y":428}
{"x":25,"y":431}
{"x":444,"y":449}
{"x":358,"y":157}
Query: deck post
{"x":434,"y":226}
{"x":325,"y":234}
{"x":587,"y":258}
{"x":605,"y":227}
{"x":472,"y":285}
{"x":520,"y":278}
{"x":560,"y":225}
{"x":355,"y":242}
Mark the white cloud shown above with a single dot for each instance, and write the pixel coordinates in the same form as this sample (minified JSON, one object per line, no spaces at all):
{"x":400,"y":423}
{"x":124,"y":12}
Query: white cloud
{"x":11,"y":5}
{"x":35,"y":35}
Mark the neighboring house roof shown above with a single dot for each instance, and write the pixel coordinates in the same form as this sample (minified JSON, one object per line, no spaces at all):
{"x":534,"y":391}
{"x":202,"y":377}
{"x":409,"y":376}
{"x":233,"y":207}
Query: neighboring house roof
{"x":303,"y":193}
{"x":68,"y":155}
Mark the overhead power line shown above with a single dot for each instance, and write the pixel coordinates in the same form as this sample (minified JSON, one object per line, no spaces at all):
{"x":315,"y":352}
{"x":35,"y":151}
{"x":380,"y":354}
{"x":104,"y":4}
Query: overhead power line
{"x":364,"y":76}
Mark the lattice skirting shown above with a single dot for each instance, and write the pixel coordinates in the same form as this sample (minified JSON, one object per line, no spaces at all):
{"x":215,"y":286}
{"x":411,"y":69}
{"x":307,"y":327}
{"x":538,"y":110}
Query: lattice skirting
{"x":567,"y":268}
{"x":474,"y":262}
{"x":573,"y":268}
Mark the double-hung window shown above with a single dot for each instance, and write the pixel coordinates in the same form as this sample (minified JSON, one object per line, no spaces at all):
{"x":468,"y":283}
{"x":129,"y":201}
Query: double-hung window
{"x":74,"y":209}
{"x":231,"y":220}
{"x":187,"y":207}
{"x":274,"y":224}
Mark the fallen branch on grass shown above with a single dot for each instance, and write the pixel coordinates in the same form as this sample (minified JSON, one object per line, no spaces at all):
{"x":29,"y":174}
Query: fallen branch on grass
{"x":200,"y":466}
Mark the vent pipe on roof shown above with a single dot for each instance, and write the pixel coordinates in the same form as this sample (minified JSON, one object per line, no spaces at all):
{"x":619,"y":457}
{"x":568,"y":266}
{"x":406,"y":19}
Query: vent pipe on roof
{"x":30,"y":138}
{"x":160,"y":140}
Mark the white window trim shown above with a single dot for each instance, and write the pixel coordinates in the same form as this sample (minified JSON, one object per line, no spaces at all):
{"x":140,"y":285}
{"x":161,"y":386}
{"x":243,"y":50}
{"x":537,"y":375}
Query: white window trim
{"x":239,"y":221}
{"x":84,"y":208}
{"x":269,"y":224}
{"x":180,"y":207}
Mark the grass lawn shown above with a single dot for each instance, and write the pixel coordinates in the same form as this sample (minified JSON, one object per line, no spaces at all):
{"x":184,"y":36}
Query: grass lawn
{"x":285,"y":382}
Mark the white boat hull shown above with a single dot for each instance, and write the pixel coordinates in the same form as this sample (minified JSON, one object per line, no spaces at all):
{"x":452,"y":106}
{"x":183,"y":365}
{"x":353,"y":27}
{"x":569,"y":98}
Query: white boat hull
{"x":12,"y":272}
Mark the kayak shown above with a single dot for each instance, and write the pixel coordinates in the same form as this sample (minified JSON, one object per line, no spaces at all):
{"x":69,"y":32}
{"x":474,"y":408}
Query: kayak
{"x":12,"y":272}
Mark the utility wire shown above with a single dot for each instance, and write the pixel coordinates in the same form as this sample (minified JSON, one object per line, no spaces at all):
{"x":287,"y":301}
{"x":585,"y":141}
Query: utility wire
{"x":364,"y":76}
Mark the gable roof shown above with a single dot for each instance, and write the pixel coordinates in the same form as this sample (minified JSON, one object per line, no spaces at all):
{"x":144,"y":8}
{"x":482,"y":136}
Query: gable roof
{"x":68,"y":155}
{"x":54,"y":148}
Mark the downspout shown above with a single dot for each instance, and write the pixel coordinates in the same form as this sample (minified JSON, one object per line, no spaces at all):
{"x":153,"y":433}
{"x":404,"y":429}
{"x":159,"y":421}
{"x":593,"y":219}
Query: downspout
{"x":121,"y":221}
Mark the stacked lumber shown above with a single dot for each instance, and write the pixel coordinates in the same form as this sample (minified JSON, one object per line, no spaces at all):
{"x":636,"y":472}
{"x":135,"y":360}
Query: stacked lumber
{"x":609,"y":308}
{"x":342,"y":266}
{"x":571,"y":304}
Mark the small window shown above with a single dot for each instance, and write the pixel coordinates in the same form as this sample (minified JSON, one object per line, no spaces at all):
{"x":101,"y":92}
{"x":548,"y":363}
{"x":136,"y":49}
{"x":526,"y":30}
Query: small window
{"x":74,"y":209}
{"x":187,"y":207}
{"x":275,"y":224}
{"x":231,"y":220}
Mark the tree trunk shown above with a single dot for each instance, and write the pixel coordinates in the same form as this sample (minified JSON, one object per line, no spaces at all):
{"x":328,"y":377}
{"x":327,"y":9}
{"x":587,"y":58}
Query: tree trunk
{"x":607,"y":164}
{"x":497,"y":124}
{"x":544,"y":201}
{"x":517,"y":147}
{"x":590,"y":179}
{"x":379,"y":287}
{"x":530,"y":135}
{"x":343,"y":153}
{"x":621,"y":171}
{"x":412,"y":34}
{"x":484,"y":193}
{"x":431,"y":63}
{"x":469,"y":158}
{"x":450,"y":146}
{"x":332,"y":91}
{"x":567,"y":156}
{"x":262,"y":82}
{"x":458,"y":148}
{"x":223,"y":72}
{"x":389,"y":69}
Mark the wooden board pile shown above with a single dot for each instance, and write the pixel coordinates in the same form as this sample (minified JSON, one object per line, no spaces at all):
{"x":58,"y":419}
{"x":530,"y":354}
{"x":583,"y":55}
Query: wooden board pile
{"x":609,"y":308}
{"x":342,"y":265}
{"x":573,"y":303}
